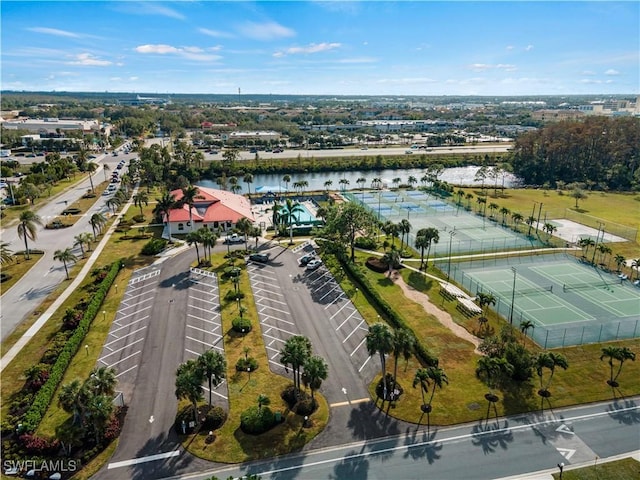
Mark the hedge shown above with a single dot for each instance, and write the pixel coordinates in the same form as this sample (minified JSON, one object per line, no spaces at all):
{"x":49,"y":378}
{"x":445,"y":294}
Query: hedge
{"x":390,"y":314}
{"x":43,"y":398}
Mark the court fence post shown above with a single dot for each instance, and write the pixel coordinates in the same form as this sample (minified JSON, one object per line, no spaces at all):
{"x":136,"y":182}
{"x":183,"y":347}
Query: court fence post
{"x":618,"y":330}
{"x":545,"y":340}
{"x":600,"y":334}
{"x":635,"y":328}
{"x":564,"y":336}
{"x":582,"y":336}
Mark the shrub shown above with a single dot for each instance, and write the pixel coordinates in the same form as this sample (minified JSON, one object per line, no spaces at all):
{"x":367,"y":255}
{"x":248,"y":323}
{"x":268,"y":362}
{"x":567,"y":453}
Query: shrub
{"x":71,"y":319}
{"x":4,"y":277}
{"x":305,"y":406}
{"x":255,"y":420}
{"x":289,"y":395}
{"x":185,"y":415}
{"x":249,"y":363}
{"x":241,"y":324}
{"x":154,"y":246}
{"x":113,"y":429}
{"x":215,"y":418}
{"x":38,"y":445}
{"x":391,"y":393}
{"x":376,"y":264}
{"x":138,"y":218}
{"x":367,"y":243}
{"x":232,"y":296}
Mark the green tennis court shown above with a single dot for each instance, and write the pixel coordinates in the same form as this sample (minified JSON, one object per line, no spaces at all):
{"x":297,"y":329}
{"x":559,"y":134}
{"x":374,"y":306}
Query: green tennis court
{"x":569,"y":303}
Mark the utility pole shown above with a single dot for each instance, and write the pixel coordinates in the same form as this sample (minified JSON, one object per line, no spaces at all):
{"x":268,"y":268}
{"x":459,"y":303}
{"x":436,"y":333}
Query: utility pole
{"x":513,"y":295}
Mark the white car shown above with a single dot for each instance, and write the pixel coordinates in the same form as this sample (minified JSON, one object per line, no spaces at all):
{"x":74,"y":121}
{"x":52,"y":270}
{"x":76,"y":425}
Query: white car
{"x":314,"y":264}
{"x":234,"y":238}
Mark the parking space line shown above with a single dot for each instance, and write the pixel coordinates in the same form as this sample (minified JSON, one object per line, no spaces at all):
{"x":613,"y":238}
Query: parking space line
{"x":270,"y":284}
{"x":216,"y":315}
{"x":216,"y":324}
{"x":127,"y":370}
{"x":346,"y":320}
{"x":137,"y":304}
{"x":275,"y":301}
{"x":125,"y":326}
{"x":353,"y":331}
{"x":272,"y":308}
{"x":206,"y":344}
{"x":359,"y":345}
{"x":277,"y":319}
{"x":205,"y":292}
{"x":121,"y":360}
{"x":258,"y":290}
{"x":319,"y":278}
{"x":276,"y":328}
{"x":203,"y":300}
{"x":214,"y":392}
{"x":365,"y":362}
{"x":330,"y":291}
{"x":274,"y":338}
{"x":123,"y":337}
{"x":201,"y":330}
{"x":340,"y":296}
{"x":201,"y":309}
{"x":339,"y":310}
{"x":120,"y":349}
{"x":264,"y":276}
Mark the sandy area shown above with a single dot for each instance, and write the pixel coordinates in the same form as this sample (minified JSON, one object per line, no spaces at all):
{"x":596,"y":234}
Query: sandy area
{"x":443,"y":317}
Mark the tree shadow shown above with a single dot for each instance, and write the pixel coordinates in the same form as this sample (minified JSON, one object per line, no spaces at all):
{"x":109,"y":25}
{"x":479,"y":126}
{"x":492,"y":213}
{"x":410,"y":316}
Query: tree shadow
{"x":367,"y":421}
{"x":177,"y":281}
{"x":424,"y":447}
{"x":352,"y":466}
{"x":624,"y":412}
{"x":491,"y":437}
{"x":419,"y":282}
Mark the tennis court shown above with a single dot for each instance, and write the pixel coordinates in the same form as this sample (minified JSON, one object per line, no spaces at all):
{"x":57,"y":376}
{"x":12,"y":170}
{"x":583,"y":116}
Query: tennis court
{"x":460,"y":231}
{"x":568,"y":302}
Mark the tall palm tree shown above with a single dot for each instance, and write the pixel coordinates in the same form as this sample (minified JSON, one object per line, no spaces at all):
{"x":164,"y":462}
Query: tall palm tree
{"x":327,"y":184}
{"x":114,"y":203}
{"x":525,"y":325}
{"x":68,"y":399}
{"x":621,"y":354}
{"x":214,"y":366}
{"x":550,"y":361}
{"x":492,"y":370}
{"x":105,"y":170}
{"x":294,"y":354}
{"x":164,"y":205}
{"x":504,"y":211}
{"x":244,"y":225}
{"x":315,"y":371}
{"x":27,"y":228}
{"x":431,"y":375}
{"x":91,"y":167}
{"x":98,"y":412}
{"x":422,"y":243}
{"x":344,"y":183}
{"x":403,"y":344}
{"x":469,"y":197}
{"x":276,"y":215}
{"x":263,"y":400}
{"x":392,"y":259}
{"x":485,"y":300}
{"x":189,"y":378}
{"x":516,"y":218}
{"x":65,"y":256}
{"x":431,"y":235}
{"x":585,"y":243}
{"x":619,"y":259}
{"x":361,"y":181}
{"x":189,"y":196}
{"x":379,"y":340}
{"x":286,"y":179}
{"x":404,"y":227}
{"x":193,"y":238}
{"x":208,"y":240}
{"x":248,"y":179}
{"x":6,"y":255}
{"x":635,"y":265}
{"x":412,"y":180}
{"x":289,"y":212}
{"x":97,"y":221}
{"x":139,"y":199}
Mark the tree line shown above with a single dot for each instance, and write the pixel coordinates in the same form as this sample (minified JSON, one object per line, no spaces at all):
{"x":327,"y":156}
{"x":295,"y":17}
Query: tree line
{"x":601,"y":152}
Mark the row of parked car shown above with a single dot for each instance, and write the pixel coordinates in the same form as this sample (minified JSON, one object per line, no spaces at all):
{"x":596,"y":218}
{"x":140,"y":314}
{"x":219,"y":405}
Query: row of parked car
{"x":310,"y":261}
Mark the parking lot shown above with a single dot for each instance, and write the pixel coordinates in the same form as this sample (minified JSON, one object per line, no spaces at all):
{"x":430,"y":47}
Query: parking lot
{"x":125,"y":341}
{"x":294,"y":301}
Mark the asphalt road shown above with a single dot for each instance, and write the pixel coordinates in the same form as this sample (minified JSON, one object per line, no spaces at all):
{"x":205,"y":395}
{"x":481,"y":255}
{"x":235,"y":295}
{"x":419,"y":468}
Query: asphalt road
{"x":511,"y":446}
{"x":23,"y":299}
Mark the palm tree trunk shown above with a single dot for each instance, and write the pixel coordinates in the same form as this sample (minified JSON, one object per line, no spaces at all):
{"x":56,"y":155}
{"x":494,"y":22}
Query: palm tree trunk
{"x":26,"y":247}
{"x":66,"y":271}
{"x":209,"y":378}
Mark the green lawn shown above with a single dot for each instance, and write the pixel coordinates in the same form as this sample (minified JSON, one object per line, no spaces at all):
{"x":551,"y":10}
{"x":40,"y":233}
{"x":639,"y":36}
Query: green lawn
{"x":626,"y":469}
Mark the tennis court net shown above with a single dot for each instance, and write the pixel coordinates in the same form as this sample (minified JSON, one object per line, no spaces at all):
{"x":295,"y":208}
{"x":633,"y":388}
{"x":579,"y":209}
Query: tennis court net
{"x":535,"y":290}
{"x":584,"y":286}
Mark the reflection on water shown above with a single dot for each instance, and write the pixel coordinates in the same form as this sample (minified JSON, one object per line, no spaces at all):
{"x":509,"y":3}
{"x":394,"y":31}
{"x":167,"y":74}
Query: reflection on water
{"x":455,"y":176}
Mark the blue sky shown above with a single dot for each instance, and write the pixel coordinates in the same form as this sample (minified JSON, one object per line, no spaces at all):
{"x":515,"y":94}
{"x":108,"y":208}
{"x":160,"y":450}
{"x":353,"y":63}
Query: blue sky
{"x":322,"y":47}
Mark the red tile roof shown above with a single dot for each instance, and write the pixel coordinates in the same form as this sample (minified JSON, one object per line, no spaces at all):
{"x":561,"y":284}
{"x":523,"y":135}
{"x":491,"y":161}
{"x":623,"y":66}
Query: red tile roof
{"x":212,"y":205}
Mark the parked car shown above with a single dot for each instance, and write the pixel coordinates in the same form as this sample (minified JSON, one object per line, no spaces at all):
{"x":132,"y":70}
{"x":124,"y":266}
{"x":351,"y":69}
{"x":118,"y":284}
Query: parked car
{"x":304,"y":260}
{"x":234,"y":238}
{"x":314,"y":264}
{"x":259,"y":257}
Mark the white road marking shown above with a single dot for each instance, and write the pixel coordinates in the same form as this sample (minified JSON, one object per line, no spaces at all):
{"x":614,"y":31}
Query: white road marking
{"x":120,"y":349}
{"x":354,"y":331}
{"x":150,"y":458}
{"x":122,"y":338}
{"x":127,"y":370}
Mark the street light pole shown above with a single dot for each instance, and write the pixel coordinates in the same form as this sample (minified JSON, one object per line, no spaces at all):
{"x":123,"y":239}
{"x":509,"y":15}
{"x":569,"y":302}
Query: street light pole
{"x":452,"y":234}
{"x":513,"y":295}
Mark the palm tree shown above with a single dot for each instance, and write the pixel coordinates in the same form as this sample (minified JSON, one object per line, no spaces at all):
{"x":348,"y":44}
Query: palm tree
{"x":619,"y":259}
{"x":189,"y":378}
{"x":294,"y":354}
{"x":422,"y":242}
{"x":248,"y":179}
{"x":65,"y":256}
{"x":396,"y":182}
{"x":105,"y":170}
{"x":193,"y":238}
{"x":68,"y":398}
{"x":635,"y":264}
{"x":412,"y":181}
{"x":27,"y":228}
{"x":98,"y":412}
{"x":361,"y":181}
{"x":492,"y":207}
{"x":286,"y":179}
{"x":97,"y":221}
{"x":244,"y":225}
{"x":469,"y":197}
{"x":91,"y":167}
{"x":504,"y":211}
{"x":438,"y":378}
{"x":431,"y":235}
{"x":404,"y":227}
{"x":235,"y":188}
{"x":163,"y":206}
{"x":392,"y":259}
{"x":380,"y":340}
{"x":585,"y":243}
{"x":603,"y":250}
{"x":485,"y":300}
{"x":376,"y":183}
{"x":621,"y":354}
{"x":492,"y":370}
{"x":550,"y":361}
{"x":103,"y":381}
{"x":289,"y":215}
{"x":263,"y":400}
{"x":6,"y":255}
{"x":516,"y":218}
{"x":315,"y":371}
{"x":344,"y":183}
{"x":189,"y":196}
{"x":213,"y":366}
{"x":114,"y":203}
{"x":525,"y":325}
{"x":403,"y":344}
{"x":327,"y":185}
{"x":208,"y":240}
{"x":140,"y":198}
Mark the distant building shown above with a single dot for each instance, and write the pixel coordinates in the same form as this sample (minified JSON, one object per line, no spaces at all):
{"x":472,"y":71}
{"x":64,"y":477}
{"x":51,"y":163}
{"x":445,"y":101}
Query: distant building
{"x":612,"y":107}
{"x":260,"y":135}
{"x":215,"y":209}
{"x":550,"y":115}
{"x":52,"y":125}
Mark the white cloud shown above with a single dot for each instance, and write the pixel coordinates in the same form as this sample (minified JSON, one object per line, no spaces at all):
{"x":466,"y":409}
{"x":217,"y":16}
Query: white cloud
{"x":611,"y":71}
{"x":155,"y":9}
{"x":265,"y":31}
{"x":483,"y":67}
{"x":216,"y":33}
{"x":357,"y":60}
{"x":54,"y":31}
{"x":191,"y":53}
{"x":588,"y":72}
{"x":510,"y":47}
{"x":480,"y":67}
{"x":528,"y":48}
{"x":88,"y":59}
{"x":405,"y":81}
{"x":311,"y":48}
